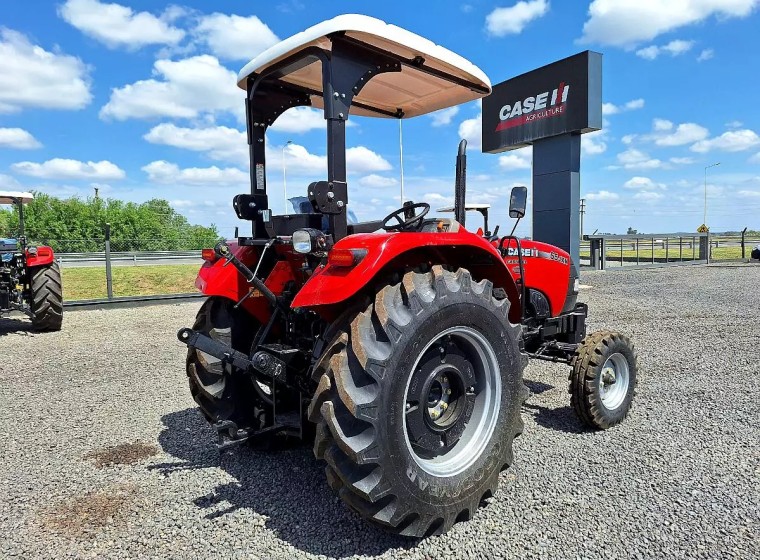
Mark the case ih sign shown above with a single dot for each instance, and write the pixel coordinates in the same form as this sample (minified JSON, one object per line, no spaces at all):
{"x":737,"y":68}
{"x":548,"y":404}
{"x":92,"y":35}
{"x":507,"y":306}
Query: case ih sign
{"x":562,"y":97}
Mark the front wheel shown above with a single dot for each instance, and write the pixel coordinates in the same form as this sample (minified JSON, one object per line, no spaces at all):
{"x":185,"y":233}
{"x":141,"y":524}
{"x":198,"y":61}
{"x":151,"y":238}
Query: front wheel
{"x":603,"y":379}
{"x":47,"y":298}
{"x":419,"y":401}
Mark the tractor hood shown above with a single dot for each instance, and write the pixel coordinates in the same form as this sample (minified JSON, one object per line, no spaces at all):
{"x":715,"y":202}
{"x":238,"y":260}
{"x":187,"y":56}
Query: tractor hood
{"x":412,"y":91}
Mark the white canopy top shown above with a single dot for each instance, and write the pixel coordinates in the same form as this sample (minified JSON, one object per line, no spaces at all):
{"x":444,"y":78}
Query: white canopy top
{"x":411,"y":90}
{"x":467,"y":206}
{"x":6,"y":197}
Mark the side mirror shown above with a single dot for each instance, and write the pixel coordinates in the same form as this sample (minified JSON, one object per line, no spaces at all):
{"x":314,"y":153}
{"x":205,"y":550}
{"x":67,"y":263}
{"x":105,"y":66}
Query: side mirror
{"x":518,"y":200}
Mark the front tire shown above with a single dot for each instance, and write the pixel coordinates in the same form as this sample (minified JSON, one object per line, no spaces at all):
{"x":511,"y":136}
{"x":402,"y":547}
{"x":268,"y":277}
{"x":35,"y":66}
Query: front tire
{"x":47,"y":298}
{"x":603,"y":379}
{"x":419,"y":401}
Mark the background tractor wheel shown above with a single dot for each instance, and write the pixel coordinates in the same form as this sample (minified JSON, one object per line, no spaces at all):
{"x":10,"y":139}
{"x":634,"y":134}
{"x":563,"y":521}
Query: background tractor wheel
{"x":220,"y":395}
{"x":603,"y":379}
{"x":47,"y":298}
{"x":419,"y":400}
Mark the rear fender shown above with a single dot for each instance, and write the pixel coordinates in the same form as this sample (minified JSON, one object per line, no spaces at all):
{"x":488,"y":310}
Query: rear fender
{"x":44,"y":257}
{"x":330,"y":287}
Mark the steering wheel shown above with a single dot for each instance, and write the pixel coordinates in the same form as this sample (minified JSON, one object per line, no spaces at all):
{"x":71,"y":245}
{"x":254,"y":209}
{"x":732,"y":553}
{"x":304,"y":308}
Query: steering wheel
{"x":404,"y":223}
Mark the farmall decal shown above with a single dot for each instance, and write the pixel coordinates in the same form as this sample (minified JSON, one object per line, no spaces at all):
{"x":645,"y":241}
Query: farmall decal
{"x":535,"y":107}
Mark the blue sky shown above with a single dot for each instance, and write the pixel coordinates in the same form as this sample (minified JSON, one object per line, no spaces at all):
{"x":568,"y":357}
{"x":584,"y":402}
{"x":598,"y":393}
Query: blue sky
{"x":138,"y":99}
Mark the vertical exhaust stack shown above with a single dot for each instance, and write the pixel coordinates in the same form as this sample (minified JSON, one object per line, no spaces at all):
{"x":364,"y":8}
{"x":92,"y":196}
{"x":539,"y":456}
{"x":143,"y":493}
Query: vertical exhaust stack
{"x":460,"y":185}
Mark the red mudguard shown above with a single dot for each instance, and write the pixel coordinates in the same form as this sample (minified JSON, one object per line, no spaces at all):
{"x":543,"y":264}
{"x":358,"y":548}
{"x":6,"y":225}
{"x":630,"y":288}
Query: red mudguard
{"x":43,"y":257}
{"x":331,"y":285}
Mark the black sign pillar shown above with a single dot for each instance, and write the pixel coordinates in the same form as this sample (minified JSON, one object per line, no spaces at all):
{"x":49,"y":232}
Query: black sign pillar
{"x":557,"y":192}
{"x":549,"y":108}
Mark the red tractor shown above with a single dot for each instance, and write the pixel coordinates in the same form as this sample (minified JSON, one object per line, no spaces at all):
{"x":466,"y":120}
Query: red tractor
{"x":405,"y":347}
{"x":30,"y":280}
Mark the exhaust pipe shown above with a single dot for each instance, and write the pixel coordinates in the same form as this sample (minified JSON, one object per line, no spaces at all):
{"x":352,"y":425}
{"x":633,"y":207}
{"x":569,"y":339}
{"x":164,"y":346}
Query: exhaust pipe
{"x":460,"y":185}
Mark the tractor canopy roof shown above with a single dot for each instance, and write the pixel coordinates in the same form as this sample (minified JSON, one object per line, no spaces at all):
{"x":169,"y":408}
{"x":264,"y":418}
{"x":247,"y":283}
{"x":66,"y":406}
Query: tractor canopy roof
{"x":11,"y":197}
{"x":431,"y":77}
{"x":467,"y":206}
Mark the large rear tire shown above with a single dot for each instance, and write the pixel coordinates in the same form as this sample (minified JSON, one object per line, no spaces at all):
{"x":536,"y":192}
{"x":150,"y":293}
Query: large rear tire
{"x":47,"y":298}
{"x":220,"y":394}
{"x":419,"y":401}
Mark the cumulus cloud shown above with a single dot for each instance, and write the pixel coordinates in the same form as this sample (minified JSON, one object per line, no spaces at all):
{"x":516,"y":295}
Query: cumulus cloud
{"x":377,"y":181}
{"x":115,"y":25}
{"x":34,"y":77}
{"x":58,"y":168}
{"x":170,"y":173}
{"x":684,"y":133}
{"x":706,"y":54}
{"x":234,"y":37}
{"x":636,"y":159}
{"x":472,"y":131}
{"x":602,"y":196}
{"x":363,"y":160}
{"x":184,"y":89}
{"x":519,"y":159}
{"x":643,"y":184}
{"x":219,"y":142}
{"x":627,"y":22}
{"x":674,"y":48}
{"x":513,"y":19}
{"x":593,"y":143}
{"x":444,"y":116}
{"x":18,"y":138}
{"x":612,"y":109}
{"x":299,"y":120}
{"x":731,"y":141}
{"x":648,"y":196}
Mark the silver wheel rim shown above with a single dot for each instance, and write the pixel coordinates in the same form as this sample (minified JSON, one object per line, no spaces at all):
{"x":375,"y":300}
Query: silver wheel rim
{"x":485,"y":414}
{"x":614,"y":379}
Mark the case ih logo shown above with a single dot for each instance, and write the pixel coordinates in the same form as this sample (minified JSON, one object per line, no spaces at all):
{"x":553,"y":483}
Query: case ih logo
{"x":534,"y":108}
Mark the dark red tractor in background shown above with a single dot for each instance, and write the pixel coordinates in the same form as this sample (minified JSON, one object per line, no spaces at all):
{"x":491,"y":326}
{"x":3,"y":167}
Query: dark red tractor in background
{"x":30,"y":280}
{"x":404,"y":347}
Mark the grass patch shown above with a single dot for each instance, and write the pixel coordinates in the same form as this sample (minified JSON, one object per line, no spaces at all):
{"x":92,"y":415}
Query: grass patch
{"x":90,"y":282}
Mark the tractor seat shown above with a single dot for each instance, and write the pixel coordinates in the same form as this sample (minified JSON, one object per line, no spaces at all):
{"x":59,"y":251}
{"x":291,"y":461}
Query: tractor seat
{"x":440,"y":225}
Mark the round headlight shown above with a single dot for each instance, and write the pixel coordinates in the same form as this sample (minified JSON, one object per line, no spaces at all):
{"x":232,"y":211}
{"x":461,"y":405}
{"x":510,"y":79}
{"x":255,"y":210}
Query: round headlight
{"x":302,"y":241}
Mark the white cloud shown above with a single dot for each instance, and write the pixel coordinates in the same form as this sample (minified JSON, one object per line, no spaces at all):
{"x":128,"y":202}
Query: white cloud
{"x":18,"y":138}
{"x":472,"y":131}
{"x":662,"y":124}
{"x":170,"y":173}
{"x":612,"y":109}
{"x":636,"y":159}
{"x":233,"y":37}
{"x":519,"y":159}
{"x":377,"y":181}
{"x":119,"y":26}
{"x":219,"y":142}
{"x":34,"y":77}
{"x":731,"y":141}
{"x":299,"y":120}
{"x":749,"y":194}
{"x":602,"y":195}
{"x":628,"y":139}
{"x":593,"y":143}
{"x":642,"y":184}
{"x":734,"y":124}
{"x":682,"y":160}
{"x":648,"y":196}
{"x":8,"y":183}
{"x":444,"y":116}
{"x":511,"y":20}
{"x":187,"y":89}
{"x":58,"y":168}
{"x":674,"y":48}
{"x":755,"y":158}
{"x":364,"y":160}
{"x":685,"y":133}
{"x":627,"y":22}
{"x":706,"y":54}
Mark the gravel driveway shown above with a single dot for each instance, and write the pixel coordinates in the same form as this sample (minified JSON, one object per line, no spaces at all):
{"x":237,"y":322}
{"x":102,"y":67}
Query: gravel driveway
{"x":104,"y":454}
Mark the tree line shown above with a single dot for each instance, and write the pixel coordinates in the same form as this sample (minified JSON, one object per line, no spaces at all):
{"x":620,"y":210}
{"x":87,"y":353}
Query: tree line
{"x":75,"y":225}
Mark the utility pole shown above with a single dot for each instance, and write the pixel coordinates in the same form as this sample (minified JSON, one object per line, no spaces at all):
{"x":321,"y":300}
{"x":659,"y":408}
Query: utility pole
{"x":706,"y":168}
{"x":96,"y":192}
{"x":583,"y":211}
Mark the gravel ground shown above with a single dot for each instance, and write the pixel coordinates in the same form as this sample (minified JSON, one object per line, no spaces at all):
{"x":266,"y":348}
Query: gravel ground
{"x":104,"y":454}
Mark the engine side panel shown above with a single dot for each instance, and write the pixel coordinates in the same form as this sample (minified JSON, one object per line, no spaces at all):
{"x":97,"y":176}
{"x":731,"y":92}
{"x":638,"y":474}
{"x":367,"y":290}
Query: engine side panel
{"x":547,"y":269}
{"x":43,"y":257}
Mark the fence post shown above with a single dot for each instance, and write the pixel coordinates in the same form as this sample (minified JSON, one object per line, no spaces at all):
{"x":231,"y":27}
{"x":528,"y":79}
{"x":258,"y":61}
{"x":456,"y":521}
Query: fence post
{"x":704,"y":247}
{"x":744,"y":233}
{"x":109,"y":278}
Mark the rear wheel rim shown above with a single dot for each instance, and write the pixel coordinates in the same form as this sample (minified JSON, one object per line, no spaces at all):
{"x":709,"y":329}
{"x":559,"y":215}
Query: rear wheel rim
{"x":614,"y":380}
{"x":471,"y":390}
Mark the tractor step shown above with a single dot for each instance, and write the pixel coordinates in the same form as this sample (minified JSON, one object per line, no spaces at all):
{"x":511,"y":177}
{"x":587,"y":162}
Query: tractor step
{"x":230,"y":436}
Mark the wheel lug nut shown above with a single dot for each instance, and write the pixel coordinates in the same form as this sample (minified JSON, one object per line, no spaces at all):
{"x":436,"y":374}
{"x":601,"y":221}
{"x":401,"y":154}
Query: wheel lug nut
{"x":445,"y":380}
{"x":434,"y":414}
{"x":441,"y":444}
{"x":408,"y":406}
{"x":448,"y":391}
{"x":444,"y":405}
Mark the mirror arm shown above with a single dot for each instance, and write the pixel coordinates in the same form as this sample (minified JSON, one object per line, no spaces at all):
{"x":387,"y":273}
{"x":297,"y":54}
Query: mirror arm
{"x":515,"y":227}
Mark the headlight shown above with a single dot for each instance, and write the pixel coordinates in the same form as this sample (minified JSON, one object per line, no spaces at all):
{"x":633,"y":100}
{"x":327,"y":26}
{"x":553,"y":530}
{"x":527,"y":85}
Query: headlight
{"x":308,"y":241}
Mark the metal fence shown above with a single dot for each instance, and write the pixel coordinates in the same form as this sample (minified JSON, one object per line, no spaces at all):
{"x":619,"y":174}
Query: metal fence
{"x":664,"y":249}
